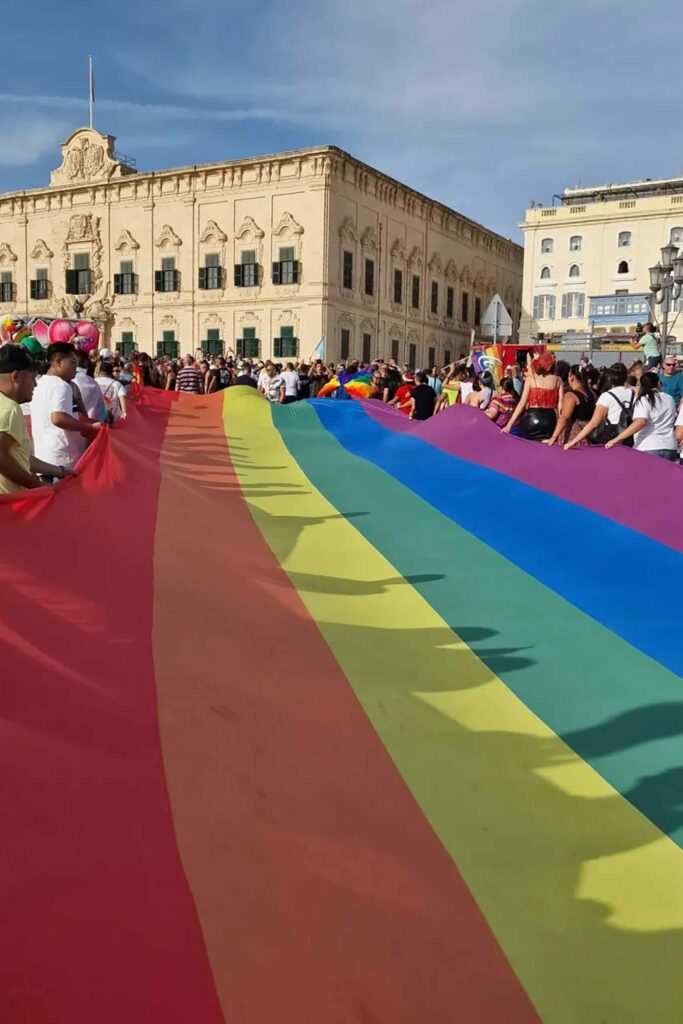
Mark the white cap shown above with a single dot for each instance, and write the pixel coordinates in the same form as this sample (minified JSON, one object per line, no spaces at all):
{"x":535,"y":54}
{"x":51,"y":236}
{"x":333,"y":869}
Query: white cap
{"x":104,"y":353}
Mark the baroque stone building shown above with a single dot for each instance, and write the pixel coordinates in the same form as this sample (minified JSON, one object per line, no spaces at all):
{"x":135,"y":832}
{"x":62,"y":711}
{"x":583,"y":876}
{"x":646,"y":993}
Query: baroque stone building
{"x":264,"y":255}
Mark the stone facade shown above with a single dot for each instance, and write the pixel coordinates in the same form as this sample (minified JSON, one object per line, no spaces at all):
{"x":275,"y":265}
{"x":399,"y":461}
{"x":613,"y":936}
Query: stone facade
{"x":586,"y":261}
{"x":157,"y":256}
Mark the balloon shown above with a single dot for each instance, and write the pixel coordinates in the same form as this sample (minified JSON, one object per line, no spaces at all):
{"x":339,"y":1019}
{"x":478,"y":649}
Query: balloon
{"x":7,"y":328}
{"x":32,"y":344}
{"x":88,"y":335}
{"x":60,"y":330}
{"x":40,"y":330}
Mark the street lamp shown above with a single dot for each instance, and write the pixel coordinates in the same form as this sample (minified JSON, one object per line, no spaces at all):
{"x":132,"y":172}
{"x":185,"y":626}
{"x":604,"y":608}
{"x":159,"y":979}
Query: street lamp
{"x":666,"y":285}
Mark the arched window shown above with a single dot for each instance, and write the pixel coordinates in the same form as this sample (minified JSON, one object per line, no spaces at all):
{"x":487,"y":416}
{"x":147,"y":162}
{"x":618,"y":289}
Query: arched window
{"x":575,"y":243}
{"x":624,"y":239}
{"x":546,"y":245}
{"x":545,"y":273}
{"x":574,"y":270}
{"x":623,"y":267}
{"x":676,"y":236}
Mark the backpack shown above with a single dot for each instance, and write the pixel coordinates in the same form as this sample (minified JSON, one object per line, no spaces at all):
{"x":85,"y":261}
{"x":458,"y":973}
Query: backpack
{"x":108,"y":405}
{"x":608,"y":431}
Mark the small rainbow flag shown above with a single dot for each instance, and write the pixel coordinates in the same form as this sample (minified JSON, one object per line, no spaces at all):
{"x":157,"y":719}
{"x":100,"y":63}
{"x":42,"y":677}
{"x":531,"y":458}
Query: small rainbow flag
{"x":490,"y":359}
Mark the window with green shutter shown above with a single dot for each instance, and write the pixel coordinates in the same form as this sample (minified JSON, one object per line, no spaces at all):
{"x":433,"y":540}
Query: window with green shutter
{"x":398,"y":286}
{"x":345,"y":343}
{"x":367,"y":344}
{"x":415,"y":292}
{"x":286,"y":346}
{"x":168,"y":346}
{"x":369,"y":277}
{"x":431,"y":357}
{"x":127,"y":344}
{"x":347,"y":273}
{"x":213,"y":343}
{"x":249,"y":345}
{"x":395,"y":345}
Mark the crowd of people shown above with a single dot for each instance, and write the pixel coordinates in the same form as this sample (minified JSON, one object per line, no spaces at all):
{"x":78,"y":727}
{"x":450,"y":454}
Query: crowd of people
{"x":72,"y":395}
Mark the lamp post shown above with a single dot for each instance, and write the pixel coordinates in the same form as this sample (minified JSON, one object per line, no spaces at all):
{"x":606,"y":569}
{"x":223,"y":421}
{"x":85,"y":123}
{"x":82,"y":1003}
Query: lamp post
{"x":666,"y":285}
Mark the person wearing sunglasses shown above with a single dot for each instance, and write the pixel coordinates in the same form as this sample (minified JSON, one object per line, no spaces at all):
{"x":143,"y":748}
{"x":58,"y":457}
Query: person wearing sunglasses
{"x":671,"y":380}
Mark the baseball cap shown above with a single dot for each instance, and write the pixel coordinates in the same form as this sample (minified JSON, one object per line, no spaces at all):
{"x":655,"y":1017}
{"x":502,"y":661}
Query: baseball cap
{"x":14,"y":358}
{"x":104,"y":353}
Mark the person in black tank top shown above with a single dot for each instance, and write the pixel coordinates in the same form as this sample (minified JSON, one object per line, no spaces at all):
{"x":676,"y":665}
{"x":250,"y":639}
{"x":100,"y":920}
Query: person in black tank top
{"x":578,"y":406}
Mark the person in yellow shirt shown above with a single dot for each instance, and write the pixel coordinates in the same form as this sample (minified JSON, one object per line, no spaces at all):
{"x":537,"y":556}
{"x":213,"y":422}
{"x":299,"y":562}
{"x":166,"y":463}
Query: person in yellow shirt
{"x":19,"y":468}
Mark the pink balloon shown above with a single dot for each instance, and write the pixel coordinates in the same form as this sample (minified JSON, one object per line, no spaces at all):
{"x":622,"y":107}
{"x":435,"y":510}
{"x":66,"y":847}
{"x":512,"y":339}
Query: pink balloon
{"x":87,"y":329}
{"x":40,"y":331}
{"x":88,"y":335}
{"x":60,"y":330}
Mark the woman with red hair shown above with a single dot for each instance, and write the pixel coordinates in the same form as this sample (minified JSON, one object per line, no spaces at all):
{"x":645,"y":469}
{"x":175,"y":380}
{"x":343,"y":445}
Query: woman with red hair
{"x":540,"y":402}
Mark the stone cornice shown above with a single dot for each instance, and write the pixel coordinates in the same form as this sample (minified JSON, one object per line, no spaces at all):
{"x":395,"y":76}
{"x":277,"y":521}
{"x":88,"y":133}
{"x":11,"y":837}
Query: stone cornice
{"x":327,"y":162}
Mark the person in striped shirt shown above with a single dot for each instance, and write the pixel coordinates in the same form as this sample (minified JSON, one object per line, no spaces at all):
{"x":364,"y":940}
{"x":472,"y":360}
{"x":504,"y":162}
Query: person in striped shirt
{"x":189,"y":379}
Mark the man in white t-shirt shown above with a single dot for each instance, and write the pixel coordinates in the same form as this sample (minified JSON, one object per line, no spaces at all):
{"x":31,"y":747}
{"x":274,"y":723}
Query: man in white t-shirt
{"x":90,"y":392}
{"x":262,"y":378}
{"x":275,"y":386}
{"x":291,"y":381}
{"x":59,"y":437}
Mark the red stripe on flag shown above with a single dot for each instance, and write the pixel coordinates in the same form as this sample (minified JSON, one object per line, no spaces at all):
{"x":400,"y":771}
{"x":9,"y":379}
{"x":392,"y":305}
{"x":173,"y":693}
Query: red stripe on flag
{"x":97,"y":921}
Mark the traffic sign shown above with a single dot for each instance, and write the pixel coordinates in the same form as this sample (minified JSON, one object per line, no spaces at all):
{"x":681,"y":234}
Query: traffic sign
{"x":496,"y":322}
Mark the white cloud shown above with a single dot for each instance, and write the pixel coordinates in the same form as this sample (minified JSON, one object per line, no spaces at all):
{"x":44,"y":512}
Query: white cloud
{"x":27,"y":138}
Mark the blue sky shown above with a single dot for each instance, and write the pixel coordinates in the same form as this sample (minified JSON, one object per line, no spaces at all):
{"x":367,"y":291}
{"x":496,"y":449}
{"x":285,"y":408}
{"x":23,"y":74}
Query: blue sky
{"x":483,"y":105}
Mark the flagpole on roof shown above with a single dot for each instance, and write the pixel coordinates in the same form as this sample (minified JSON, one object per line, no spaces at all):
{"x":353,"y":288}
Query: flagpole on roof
{"x":91,"y":89}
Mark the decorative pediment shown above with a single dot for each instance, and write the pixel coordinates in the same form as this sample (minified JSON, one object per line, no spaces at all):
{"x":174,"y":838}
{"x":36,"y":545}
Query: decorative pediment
{"x":413,"y":337}
{"x":213,"y":320}
{"x":451,"y":272}
{"x":491,"y":285}
{"x":509,"y":293}
{"x":212,"y":234}
{"x":249,"y":228}
{"x":126,"y":243}
{"x":368,"y":240}
{"x":415,"y":258}
{"x":345,"y":320}
{"x":466,"y":276}
{"x":6,"y":255}
{"x":169,"y":323}
{"x":435,"y":265}
{"x":286,"y":316}
{"x":40,"y":251}
{"x":168,"y":239}
{"x":396,"y":331}
{"x":88,"y":155}
{"x":289,"y":225}
{"x":398,"y":251}
{"x":347,"y":230}
{"x":83,"y":227}
{"x":478,"y":281}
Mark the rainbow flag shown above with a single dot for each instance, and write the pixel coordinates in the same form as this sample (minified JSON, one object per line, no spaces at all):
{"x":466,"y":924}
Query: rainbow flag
{"x":314,"y":713}
{"x":490,"y":359}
